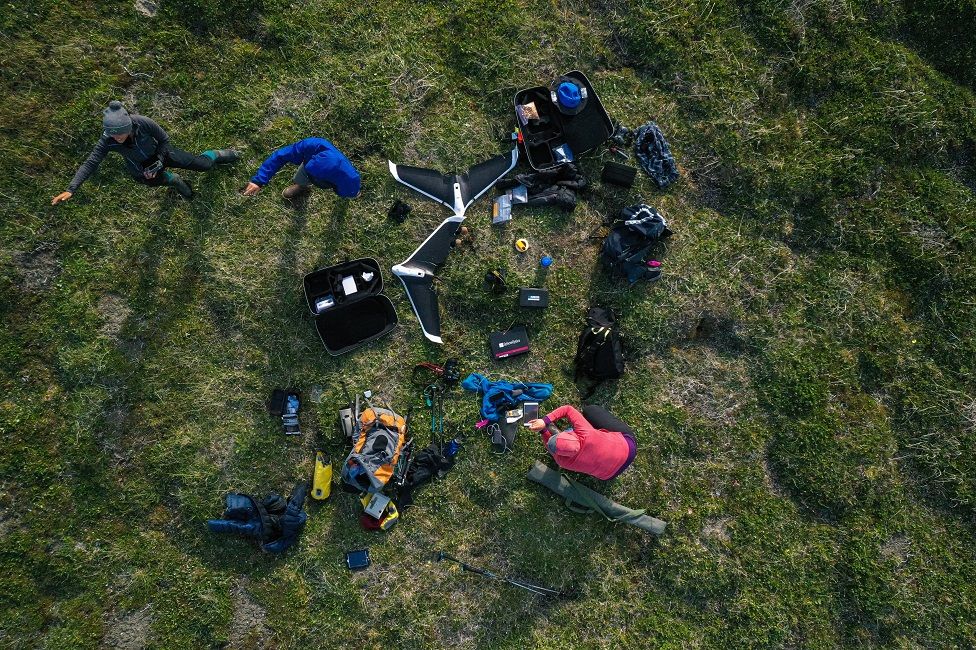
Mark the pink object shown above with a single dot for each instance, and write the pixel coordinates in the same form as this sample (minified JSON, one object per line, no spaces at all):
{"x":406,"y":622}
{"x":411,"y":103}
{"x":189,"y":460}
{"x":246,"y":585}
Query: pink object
{"x":584,"y":449}
{"x":481,"y":424}
{"x":653,"y":263}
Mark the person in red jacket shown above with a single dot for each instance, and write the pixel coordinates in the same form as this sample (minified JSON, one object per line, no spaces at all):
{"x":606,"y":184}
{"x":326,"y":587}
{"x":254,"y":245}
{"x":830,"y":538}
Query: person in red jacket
{"x":597,"y":443}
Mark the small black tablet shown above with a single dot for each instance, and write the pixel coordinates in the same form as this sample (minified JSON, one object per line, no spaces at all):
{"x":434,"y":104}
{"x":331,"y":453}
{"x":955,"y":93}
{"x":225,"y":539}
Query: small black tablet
{"x":357,"y":560}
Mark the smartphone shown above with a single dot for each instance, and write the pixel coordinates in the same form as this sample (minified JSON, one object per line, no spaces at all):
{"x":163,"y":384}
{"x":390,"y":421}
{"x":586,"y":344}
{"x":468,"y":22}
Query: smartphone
{"x":358,"y":559}
{"x":530,"y":411}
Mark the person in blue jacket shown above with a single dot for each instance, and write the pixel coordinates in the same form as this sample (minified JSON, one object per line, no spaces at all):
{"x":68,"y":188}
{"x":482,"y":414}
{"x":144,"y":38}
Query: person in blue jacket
{"x":319,"y":163}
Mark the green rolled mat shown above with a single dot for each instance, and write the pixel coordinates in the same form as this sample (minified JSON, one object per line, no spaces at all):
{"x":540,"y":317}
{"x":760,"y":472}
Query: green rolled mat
{"x":580,"y":498}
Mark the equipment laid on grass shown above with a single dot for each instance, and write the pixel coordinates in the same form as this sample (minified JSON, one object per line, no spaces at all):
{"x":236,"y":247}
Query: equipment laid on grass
{"x":538,"y":590}
{"x":635,"y":232}
{"x":500,"y":396}
{"x":599,"y":352}
{"x":449,"y":373}
{"x":568,"y":112}
{"x":379,"y":512}
{"x":399,"y":211}
{"x":582,"y":499}
{"x":376,"y":451}
{"x":501,"y":209}
{"x":357,"y":311}
{"x":272,"y":521}
{"x":536,"y":298}
{"x":457,"y":193}
{"x":504,"y":432}
{"x":495,"y":281}
{"x":618,"y":174}
{"x":347,"y":422}
{"x":286,"y":404}
{"x":289,"y":419}
{"x":622,"y":136}
{"x":654,"y":154}
{"x":557,"y":187}
{"x":510,"y":343}
{"x":388,"y":518}
{"x":358,"y":559}
{"x":521,"y":245}
{"x":321,"y":477}
{"x":435,"y":460}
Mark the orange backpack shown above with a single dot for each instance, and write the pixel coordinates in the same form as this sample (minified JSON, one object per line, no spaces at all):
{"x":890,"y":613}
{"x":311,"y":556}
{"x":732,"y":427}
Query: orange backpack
{"x":375,"y":453}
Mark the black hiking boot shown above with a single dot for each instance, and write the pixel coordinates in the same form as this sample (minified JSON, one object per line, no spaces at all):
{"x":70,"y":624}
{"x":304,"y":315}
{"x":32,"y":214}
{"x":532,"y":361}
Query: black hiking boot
{"x":226,"y":156}
{"x":178,"y":184}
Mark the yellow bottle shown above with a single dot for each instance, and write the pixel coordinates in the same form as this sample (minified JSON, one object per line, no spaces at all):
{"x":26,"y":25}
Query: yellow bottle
{"x":321,"y":478}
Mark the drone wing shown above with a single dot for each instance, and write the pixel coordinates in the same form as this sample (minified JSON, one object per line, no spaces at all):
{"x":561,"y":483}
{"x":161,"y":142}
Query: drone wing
{"x":417,"y":275}
{"x":434,"y":185}
{"x":479,"y":179}
{"x":460,"y":191}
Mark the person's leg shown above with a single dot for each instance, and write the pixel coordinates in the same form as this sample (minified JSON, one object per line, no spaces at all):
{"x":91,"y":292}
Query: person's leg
{"x":184,"y":160}
{"x":300,"y":183}
{"x":600,"y":418}
{"x":301,"y":177}
{"x":167,"y":179}
{"x":176,"y":157}
{"x":223,"y":156}
{"x":157,"y":181}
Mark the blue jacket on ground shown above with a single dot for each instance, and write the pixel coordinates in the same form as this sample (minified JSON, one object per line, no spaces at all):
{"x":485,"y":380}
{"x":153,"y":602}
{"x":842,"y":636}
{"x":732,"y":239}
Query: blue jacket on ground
{"x":324,"y":164}
{"x":491,"y":390}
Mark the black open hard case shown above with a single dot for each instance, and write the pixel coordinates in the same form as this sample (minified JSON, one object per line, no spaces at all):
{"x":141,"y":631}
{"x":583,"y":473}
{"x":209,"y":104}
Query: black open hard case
{"x":355,"y":319}
{"x":583,"y":132}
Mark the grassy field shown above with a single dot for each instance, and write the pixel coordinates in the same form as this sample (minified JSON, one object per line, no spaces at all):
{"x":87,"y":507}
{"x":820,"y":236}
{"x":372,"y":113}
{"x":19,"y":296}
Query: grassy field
{"x":802,"y":378}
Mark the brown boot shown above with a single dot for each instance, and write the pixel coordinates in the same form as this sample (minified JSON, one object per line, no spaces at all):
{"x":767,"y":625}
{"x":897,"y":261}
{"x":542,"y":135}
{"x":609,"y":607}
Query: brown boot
{"x":294,"y":190}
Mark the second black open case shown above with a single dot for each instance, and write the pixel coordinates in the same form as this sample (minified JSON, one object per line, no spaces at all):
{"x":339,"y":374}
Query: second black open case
{"x":348,"y":304}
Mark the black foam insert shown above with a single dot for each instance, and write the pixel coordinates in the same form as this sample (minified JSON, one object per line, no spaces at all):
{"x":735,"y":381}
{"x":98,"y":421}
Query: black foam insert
{"x":357,"y":323}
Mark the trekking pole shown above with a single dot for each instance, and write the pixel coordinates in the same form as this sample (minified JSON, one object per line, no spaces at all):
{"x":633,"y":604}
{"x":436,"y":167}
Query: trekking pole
{"x":528,"y":586}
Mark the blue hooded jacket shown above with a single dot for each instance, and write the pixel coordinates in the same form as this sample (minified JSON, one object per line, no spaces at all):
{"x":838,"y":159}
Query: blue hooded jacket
{"x":324,"y":164}
{"x":491,"y":390}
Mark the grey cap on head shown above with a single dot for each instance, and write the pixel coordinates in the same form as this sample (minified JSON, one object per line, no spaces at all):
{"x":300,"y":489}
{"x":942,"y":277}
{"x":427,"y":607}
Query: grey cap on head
{"x":551,"y":443}
{"x":116,"y":120}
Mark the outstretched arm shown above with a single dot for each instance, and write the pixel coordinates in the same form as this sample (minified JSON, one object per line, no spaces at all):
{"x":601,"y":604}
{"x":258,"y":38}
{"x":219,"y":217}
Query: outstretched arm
{"x":291,"y":153}
{"x":87,"y":168}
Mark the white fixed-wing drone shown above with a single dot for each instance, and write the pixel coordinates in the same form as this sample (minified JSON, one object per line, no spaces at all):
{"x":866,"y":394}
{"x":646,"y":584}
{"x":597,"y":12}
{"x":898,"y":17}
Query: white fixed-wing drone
{"x":457,"y":193}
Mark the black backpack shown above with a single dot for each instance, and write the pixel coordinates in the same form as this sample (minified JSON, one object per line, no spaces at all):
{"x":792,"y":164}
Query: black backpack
{"x":636,"y":231}
{"x":599,"y":354}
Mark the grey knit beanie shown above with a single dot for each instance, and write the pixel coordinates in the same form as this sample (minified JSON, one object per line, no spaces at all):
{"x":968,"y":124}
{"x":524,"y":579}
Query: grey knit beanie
{"x":116,"y":120}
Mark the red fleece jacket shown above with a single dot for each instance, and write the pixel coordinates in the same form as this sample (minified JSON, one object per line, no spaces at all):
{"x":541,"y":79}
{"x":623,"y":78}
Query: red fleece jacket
{"x":596,"y":452}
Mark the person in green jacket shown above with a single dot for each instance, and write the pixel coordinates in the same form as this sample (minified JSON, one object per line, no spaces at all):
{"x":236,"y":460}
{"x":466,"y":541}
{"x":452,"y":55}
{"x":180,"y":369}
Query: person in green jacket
{"x":147,"y":152}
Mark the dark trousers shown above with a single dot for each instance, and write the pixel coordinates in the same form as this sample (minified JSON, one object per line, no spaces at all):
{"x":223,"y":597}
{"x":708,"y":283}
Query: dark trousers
{"x":600,"y":418}
{"x":179,"y":159}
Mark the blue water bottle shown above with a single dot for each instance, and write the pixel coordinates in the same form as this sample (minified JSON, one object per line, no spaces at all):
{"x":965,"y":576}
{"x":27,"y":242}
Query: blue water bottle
{"x":452,"y":448}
